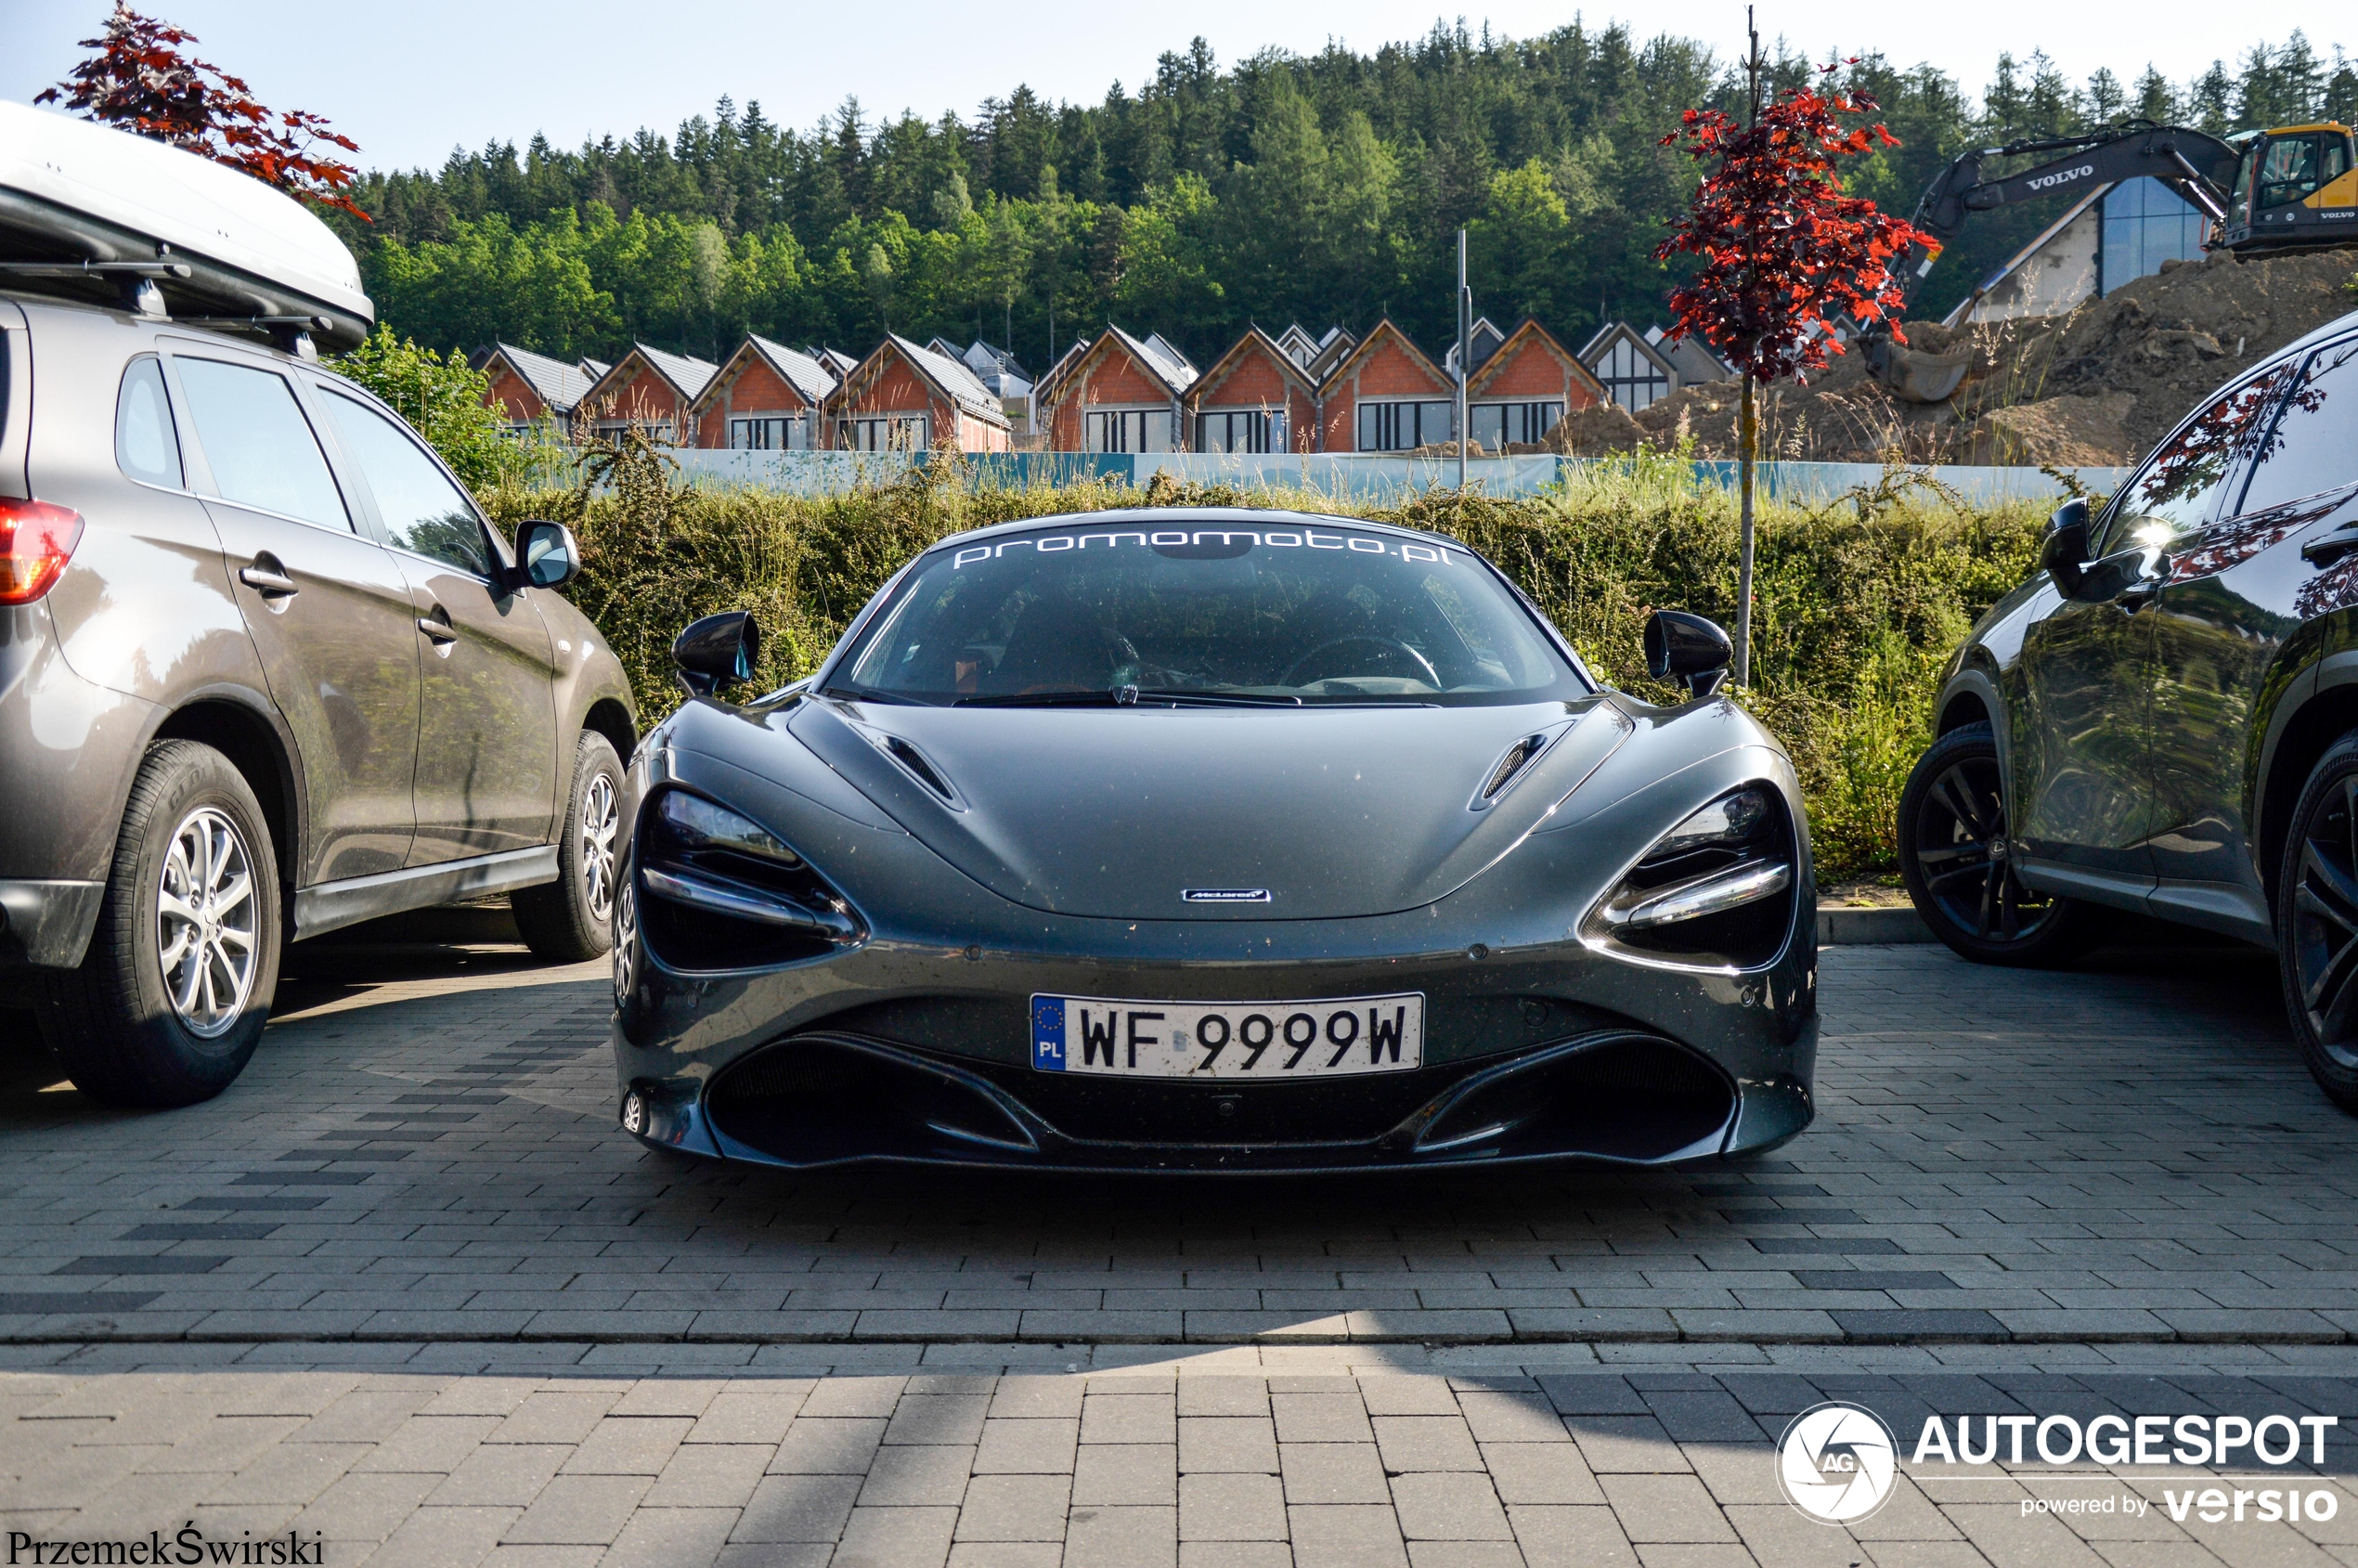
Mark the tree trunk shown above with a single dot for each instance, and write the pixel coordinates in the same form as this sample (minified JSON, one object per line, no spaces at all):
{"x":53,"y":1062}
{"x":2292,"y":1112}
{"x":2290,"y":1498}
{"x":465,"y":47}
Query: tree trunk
{"x":1747,"y":452}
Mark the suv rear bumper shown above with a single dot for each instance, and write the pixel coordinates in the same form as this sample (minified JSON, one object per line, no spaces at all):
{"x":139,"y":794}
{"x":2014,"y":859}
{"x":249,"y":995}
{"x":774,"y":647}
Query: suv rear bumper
{"x":46,"y":924}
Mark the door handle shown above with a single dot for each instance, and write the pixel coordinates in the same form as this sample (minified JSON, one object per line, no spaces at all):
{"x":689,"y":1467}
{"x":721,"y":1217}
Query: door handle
{"x":269,"y":584}
{"x":441,"y":633}
{"x":2137,"y":595}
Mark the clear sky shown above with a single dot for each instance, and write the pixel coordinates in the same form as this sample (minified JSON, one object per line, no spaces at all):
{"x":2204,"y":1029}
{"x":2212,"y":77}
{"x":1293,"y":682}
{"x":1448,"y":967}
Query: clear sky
{"x":411,"y":79}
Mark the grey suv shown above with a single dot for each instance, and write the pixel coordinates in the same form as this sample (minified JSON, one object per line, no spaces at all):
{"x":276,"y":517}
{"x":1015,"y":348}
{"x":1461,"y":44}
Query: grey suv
{"x":265,"y":670}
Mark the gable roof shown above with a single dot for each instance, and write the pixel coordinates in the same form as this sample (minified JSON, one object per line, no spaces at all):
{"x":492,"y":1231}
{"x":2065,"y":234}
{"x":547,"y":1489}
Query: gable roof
{"x":1690,"y":357}
{"x":1483,"y":338}
{"x":835,"y":359}
{"x":1173,"y":371}
{"x":595,"y":368}
{"x":561,"y":387}
{"x":686,"y":376}
{"x":1366,"y":346}
{"x":807,"y":376}
{"x":1599,"y":344}
{"x":1254,"y":338}
{"x":949,"y":377}
{"x":1528,"y":331}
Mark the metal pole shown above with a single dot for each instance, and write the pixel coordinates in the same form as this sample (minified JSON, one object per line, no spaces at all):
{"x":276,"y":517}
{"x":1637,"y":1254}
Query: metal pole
{"x":1465,"y":348}
{"x":1747,"y":422}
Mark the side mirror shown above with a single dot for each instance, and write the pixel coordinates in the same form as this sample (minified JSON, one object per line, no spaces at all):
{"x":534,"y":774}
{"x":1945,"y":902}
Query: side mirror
{"x":717,"y":650}
{"x":547,"y":555}
{"x":2064,"y":553}
{"x":1688,"y":648}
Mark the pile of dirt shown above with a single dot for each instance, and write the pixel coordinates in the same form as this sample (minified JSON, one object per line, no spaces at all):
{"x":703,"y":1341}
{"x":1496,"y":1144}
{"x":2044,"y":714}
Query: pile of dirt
{"x":2099,"y":386}
{"x":2065,"y":431}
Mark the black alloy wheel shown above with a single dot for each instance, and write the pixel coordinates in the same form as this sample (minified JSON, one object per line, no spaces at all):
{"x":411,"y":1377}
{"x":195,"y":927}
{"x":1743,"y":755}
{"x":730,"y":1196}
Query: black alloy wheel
{"x":1954,"y":858}
{"x":2317,"y":916}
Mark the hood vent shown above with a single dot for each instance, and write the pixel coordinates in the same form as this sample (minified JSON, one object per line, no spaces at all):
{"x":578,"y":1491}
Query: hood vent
{"x":1508,"y":768}
{"x":914,"y":763}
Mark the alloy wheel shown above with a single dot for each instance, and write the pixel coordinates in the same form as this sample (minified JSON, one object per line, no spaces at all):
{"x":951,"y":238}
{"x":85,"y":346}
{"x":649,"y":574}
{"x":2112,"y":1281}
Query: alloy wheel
{"x":601,"y":815}
{"x":1960,"y":845}
{"x":626,"y":936}
{"x":2324,"y":921}
{"x":207,"y":917}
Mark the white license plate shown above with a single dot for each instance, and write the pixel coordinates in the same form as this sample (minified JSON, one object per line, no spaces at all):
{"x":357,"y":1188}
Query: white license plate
{"x":1340,"y":1037}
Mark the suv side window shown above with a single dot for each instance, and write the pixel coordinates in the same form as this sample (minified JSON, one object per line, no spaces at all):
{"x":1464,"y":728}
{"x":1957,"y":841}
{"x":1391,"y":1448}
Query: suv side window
{"x":422,"y":512}
{"x":2310,"y":450}
{"x":2174,"y":496}
{"x":146,"y":447}
{"x":257,"y":443}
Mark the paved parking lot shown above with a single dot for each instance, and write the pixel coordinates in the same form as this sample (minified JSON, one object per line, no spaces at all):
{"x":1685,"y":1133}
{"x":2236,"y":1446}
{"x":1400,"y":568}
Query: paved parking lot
{"x":407,"y":1286}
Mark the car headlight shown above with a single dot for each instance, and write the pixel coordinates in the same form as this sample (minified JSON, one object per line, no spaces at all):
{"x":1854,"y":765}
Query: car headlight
{"x":1716,"y":890}
{"x":720,"y":891}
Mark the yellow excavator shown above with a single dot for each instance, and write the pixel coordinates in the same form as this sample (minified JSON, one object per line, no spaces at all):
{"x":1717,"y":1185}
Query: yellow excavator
{"x":2290,"y":187}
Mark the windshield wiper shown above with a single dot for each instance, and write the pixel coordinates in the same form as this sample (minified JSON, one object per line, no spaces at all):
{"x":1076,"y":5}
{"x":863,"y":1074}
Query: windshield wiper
{"x":1209,"y":699}
{"x":1042,"y":699}
{"x":1125,"y":697}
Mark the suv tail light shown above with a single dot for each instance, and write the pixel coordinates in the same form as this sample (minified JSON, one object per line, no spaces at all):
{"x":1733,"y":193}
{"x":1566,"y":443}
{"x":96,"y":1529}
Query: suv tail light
{"x":36,"y":540}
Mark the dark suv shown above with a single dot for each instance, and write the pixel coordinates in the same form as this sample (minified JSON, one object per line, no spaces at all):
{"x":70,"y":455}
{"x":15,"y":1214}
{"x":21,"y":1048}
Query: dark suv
{"x":265,"y":670}
{"x":2165,"y":717}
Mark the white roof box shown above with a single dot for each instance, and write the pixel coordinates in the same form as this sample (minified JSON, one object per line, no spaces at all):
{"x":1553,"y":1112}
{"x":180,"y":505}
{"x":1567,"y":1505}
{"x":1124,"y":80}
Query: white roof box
{"x":90,"y":210}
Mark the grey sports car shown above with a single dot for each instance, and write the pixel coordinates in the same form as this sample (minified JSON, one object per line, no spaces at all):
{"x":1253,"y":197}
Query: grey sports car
{"x":1212,"y":840}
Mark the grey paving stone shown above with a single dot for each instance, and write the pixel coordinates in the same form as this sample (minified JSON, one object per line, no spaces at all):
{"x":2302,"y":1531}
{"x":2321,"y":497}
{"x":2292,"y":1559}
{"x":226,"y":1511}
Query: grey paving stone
{"x":1015,"y":1508}
{"x":829,"y":1445}
{"x":1228,"y":1443}
{"x":1122,"y":1537}
{"x":896,"y":1537}
{"x":1126,"y":1474}
{"x":1031,"y":1445}
{"x":911,"y":1477}
{"x":1231,"y":1508}
{"x":1333,"y":1472}
{"x":1449,"y":1507}
{"x":1346,"y":1535}
{"x":798,"y":1508}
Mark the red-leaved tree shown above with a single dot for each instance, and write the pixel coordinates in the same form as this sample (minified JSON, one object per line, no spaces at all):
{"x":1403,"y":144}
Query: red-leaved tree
{"x":140,"y":80}
{"x":1784,"y":254}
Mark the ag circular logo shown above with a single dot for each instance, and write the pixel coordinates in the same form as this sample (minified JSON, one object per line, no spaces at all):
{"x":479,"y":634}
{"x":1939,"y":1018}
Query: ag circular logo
{"x":1837,"y":1463}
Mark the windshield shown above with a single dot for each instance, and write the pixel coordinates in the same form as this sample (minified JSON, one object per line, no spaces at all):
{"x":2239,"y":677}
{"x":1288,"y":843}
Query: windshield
{"x":1305,"y":612}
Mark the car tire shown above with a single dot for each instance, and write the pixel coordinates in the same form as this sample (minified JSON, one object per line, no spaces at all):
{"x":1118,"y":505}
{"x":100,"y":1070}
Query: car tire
{"x":571,"y":920}
{"x":171,"y":997}
{"x":2317,"y":922}
{"x":1953,"y":847}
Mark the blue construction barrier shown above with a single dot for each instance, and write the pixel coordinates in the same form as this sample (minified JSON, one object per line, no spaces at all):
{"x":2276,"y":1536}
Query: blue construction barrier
{"x":1364,"y":479}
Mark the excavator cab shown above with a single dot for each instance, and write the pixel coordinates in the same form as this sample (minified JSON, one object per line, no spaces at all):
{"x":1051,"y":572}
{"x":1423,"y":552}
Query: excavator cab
{"x":2295,"y":185}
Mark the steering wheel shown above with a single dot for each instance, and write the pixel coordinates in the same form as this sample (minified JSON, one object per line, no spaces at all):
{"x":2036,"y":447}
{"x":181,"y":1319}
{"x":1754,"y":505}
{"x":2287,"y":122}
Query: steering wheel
{"x":1431,"y":675}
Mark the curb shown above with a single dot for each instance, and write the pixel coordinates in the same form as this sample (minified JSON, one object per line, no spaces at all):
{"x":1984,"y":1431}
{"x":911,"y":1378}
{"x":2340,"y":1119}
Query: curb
{"x":1861,"y":927}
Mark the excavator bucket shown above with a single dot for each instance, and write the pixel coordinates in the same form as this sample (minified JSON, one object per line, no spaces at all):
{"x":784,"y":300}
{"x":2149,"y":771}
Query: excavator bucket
{"x":1915,"y":376}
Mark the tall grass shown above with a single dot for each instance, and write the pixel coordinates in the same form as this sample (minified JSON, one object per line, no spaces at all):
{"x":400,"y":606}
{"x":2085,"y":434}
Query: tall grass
{"x":1859,"y":602}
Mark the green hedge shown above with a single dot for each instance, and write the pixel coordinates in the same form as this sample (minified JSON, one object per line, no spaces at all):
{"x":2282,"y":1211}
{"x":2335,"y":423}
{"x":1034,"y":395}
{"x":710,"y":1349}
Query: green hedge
{"x":1858,"y":604}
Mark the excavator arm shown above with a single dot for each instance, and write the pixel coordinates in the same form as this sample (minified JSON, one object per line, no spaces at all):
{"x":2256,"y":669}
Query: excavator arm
{"x":2199,"y":167}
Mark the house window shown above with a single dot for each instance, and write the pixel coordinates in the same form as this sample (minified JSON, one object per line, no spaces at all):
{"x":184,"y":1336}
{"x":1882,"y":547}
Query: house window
{"x":1632,"y":378}
{"x":886,"y":433}
{"x":1525,"y":424}
{"x":1241,"y":429}
{"x":769,"y":433}
{"x":1401,"y":427}
{"x":657,"y":431}
{"x":2146,"y":224}
{"x":1127,"y":430}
